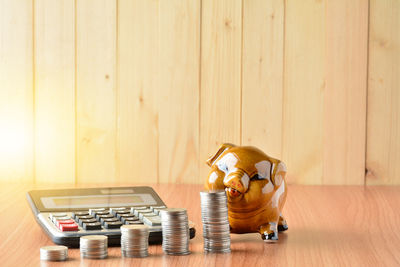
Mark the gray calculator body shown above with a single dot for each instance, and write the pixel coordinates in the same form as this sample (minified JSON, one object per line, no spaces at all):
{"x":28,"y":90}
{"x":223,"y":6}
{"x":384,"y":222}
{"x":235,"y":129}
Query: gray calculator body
{"x":97,"y":211}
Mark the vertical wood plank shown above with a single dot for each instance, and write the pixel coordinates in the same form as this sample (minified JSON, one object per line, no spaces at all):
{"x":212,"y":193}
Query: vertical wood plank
{"x":96,"y":91}
{"x":138,"y":40}
{"x":179,"y":29}
{"x":16,"y":91}
{"x":383,"y":131}
{"x":220,"y":100}
{"x":325,"y":91}
{"x":346,"y":92}
{"x":263,"y":30}
{"x":55,"y":91}
{"x":304,"y":86}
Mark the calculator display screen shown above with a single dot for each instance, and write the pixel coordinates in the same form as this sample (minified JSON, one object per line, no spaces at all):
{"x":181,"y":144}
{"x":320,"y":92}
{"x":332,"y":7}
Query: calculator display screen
{"x":96,"y":200}
{"x":93,"y":201}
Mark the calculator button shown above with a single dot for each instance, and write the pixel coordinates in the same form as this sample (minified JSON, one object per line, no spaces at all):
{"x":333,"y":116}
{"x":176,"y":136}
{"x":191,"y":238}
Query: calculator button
{"x":81,"y":222}
{"x":157,"y":207}
{"x":129,"y":219}
{"x":133,"y":209}
{"x":114,"y":210}
{"x":105,"y":212}
{"x":79,"y":213}
{"x":68,"y":227}
{"x":152,"y":221}
{"x":93,"y":211}
{"x":55,"y":219}
{"x":80,"y":218}
{"x":157,"y":210}
{"x":126,"y":215}
{"x":112,"y":225}
{"x":137,"y":212}
{"x":98,"y":217}
{"x":104,"y":220}
{"x":150,"y":214}
{"x":92,"y":226}
{"x":133,"y":222}
{"x":121,"y":212}
{"x":70,"y":221}
{"x":53,"y":215}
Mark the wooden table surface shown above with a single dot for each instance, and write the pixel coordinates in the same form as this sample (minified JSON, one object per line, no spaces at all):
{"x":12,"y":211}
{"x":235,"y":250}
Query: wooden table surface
{"x":328,"y":226}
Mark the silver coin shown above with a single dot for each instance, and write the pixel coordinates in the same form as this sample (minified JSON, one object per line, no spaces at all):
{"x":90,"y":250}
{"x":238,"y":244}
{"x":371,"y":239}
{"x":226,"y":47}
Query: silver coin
{"x":134,"y":241}
{"x":94,"y":246}
{"x":214,"y":213}
{"x":54,"y":253}
{"x":175,"y":231}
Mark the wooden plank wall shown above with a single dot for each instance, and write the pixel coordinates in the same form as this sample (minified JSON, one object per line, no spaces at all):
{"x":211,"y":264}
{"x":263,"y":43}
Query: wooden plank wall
{"x":143,"y":91}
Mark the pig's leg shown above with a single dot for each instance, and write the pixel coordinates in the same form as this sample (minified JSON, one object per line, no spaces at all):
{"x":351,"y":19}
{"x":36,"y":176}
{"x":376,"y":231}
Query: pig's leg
{"x":282,"y":224}
{"x":269,"y":231}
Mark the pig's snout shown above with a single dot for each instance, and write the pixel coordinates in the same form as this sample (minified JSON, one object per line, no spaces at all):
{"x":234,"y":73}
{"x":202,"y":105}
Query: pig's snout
{"x":236,"y":183}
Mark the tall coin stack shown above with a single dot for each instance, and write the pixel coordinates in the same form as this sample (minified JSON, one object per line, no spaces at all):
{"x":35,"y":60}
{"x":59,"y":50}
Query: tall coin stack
{"x":175,"y":231}
{"x":94,"y":246}
{"x":54,"y":253}
{"x":134,"y":241}
{"x":214,"y":214}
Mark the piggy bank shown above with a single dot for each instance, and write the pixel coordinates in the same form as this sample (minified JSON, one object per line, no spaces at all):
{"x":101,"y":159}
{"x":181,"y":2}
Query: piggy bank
{"x":255,"y":187}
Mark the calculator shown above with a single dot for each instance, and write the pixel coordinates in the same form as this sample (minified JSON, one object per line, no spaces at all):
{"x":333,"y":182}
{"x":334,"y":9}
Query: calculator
{"x":67,"y":214}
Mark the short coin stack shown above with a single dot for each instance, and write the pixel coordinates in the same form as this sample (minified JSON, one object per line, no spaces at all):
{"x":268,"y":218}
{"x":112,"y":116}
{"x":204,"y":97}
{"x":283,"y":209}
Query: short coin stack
{"x":54,"y":253}
{"x":94,"y":246}
{"x":134,"y":241}
{"x":175,"y":231}
{"x":214,"y":213}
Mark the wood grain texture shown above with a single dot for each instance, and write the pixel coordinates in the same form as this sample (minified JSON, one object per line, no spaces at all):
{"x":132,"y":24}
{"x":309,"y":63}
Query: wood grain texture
{"x":304,"y":87}
{"x":178,"y":91}
{"x":328,"y":226}
{"x":220,"y":100}
{"x":262,"y":74}
{"x":325,"y":91}
{"x":16,"y":90}
{"x":383,"y":126}
{"x":55,"y":91}
{"x":96,"y":90}
{"x":138,"y":86}
{"x":345,"y":92}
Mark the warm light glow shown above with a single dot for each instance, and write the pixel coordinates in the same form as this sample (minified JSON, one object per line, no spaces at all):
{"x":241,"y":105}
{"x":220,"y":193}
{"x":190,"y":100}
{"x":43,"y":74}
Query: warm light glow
{"x":15,"y":149}
{"x":12,"y":140}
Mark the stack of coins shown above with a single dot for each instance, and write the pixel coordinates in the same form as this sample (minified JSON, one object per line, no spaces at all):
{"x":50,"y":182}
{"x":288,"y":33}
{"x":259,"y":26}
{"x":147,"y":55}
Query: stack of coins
{"x":214,"y":214}
{"x":134,"y":241}
{"x":175,"y":231}
{"x":94,"y":246}
{"x":54,"y":253}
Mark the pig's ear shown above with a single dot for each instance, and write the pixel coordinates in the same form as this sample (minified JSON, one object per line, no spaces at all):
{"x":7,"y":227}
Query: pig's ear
{"x":221,"y":149}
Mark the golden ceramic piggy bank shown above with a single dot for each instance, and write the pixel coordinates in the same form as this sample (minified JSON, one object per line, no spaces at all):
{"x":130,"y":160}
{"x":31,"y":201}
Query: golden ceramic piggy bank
{"x":255,"y":187}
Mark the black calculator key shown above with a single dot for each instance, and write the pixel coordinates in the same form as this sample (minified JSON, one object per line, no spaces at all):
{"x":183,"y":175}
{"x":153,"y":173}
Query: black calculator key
{"x":84,"y":217}
{"x":93,"y":220}
{"x":92,"y":226}
{"x":113,"y":219}
{"x":113,"y":225}
{"x":136,"y":209}
{"x":80,"y":218}
{"x":133,"y":222}
{"x":129,"y":219}
{"x":99,"y":216}
{"x":114,"y":210}
{"x":80,"y":213}
{"x":94,"y":211}
{"x":105,"y":212}
{"x":120,"y":216}
{"x":122,"y":212}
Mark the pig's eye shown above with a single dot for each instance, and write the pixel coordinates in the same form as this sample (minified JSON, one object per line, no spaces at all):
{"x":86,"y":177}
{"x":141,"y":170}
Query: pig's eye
{"x":222,"y":167}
